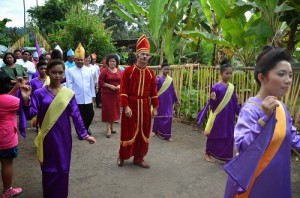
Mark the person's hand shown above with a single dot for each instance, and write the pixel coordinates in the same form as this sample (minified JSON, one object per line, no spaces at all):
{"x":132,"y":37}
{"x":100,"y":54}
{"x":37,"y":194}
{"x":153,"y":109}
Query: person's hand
{"x":91,"y":139}
{"x":25,"y":92}
{"x":112,"y":87}
{"x":128,"y":112}
{"x":269,"y":104}
{"x":213,"y":96}
{"x":154,"y":112}
{"x":118,"y":87}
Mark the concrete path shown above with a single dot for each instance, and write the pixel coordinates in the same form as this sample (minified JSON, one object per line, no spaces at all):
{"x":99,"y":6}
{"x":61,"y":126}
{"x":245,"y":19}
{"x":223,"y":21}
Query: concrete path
{"x":178,"y":168}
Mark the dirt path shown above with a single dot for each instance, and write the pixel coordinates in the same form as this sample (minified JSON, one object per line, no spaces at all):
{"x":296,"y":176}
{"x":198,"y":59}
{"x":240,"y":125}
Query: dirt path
{"x":177,"y":168}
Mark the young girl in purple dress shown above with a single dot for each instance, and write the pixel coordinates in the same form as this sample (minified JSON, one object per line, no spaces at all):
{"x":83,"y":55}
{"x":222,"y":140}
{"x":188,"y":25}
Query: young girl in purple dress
{"x":220,"y":125}
{"x":54,"y":105}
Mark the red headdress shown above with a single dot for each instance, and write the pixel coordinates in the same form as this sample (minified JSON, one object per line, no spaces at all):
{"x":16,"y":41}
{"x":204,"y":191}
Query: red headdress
{"x":143,"y":45}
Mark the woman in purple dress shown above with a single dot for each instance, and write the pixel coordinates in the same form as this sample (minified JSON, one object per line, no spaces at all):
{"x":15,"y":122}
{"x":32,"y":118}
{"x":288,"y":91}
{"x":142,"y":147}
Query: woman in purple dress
{"x":264,"y":134}
{"x":54,"y":105}
{"x":167,"y":97}
{"x":220,"y":125}
{"x":42,"y":79}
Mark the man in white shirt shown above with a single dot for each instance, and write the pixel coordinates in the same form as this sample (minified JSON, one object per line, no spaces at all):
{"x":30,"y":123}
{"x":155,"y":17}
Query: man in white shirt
{"x":80,"y":80}
{"x":27,"y":65}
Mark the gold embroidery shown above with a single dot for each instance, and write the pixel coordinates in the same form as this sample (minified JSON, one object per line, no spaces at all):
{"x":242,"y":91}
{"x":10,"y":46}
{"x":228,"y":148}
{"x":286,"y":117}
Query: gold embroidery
{"x":261,"y":122}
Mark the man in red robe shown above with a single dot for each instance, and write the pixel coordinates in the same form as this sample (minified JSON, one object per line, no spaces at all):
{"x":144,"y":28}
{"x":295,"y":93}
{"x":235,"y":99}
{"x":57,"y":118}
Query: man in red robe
{"x":138,"y":93}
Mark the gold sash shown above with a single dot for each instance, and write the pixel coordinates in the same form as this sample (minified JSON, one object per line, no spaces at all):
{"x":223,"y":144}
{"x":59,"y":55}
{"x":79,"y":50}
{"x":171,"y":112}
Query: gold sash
{"x":47,"y":81}
{"x":165,"y":85}
{"x":270,"y":152}
{"x":56,"y":108}
{"x":224,"y":102}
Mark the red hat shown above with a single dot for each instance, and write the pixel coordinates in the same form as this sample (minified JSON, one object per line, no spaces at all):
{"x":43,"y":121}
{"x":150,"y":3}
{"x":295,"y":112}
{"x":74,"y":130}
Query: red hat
{"x":143,"y":45}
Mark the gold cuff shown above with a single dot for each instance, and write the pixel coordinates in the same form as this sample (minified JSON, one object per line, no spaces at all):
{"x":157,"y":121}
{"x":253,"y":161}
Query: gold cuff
{"x":261,"y":122}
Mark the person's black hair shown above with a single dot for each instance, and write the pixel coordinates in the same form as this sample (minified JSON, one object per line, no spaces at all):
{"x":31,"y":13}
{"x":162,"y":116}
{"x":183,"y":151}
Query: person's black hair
{"x":165,"y":63}
{"x":112,"y":56}
{"x":87,"y":55}
{"x":56,"y":55}
{"x":54,"y":63}
{"x":4,"y":83}
{"x":17,"y":50}
{"x":224,"y":64}
{"x":6,"y":54}
{"x":41,"y":63}
{"x":265,"y":50}
{"x":131,"y":58}
{"x":25,"y":52}
{"x":42,"y":58}
{"x":268,"y":60}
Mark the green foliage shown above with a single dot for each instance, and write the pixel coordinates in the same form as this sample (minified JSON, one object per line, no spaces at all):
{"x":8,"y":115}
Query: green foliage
{"x":46,"y":17}
{"x":82,"y":27}
{"x":7,"y":36}
{"x":120,"y":28}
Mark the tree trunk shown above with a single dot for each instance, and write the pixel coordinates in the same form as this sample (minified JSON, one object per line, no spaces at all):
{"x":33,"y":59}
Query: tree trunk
{"x":24,"y":17}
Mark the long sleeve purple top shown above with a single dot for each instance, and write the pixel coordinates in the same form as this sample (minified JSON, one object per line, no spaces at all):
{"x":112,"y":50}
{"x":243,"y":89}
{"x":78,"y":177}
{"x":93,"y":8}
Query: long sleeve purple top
{"x":58,"y":141}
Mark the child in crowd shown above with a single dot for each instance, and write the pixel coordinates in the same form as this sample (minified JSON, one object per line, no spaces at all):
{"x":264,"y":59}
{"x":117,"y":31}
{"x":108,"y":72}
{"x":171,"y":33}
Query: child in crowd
{"x":54,"y":105}
{"x":220,"y":125}
{"x":8,"y":135}
{"x":167,"y":97}
{"x":40,"y":81}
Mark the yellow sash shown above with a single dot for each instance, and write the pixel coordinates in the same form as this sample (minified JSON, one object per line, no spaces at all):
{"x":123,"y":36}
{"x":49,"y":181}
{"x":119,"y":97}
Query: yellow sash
{"x":165,"y":85}
{"x":47,"y":81}
{"x":224,"y":102}
{"x":277,"y":139}
{"x":56,"y":108}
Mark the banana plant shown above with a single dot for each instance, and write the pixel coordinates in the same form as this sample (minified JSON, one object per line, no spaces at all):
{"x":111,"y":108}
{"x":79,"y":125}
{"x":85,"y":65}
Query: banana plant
{"x":231,"y":30}
{"x":159,"y":22}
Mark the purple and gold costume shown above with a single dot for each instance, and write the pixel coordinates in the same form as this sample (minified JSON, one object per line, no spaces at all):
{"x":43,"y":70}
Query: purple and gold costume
{"x":163,"y":121}
{"x":220,"y":141}
{"x":57,"y":143}
{"x":262,"y":168}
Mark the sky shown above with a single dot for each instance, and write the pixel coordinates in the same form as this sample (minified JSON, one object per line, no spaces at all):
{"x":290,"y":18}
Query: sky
{"x":13,"y":9}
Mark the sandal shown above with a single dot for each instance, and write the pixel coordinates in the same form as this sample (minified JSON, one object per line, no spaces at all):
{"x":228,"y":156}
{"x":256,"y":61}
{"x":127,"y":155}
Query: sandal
{"x":108,"y":135}
{"x":12,"y":192}
{"x":113,"y":131}
{"x":120,"y":162}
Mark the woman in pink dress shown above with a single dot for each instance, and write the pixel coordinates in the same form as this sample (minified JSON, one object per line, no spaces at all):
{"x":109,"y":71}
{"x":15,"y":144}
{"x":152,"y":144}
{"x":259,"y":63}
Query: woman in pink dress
{"x":109,"y":81}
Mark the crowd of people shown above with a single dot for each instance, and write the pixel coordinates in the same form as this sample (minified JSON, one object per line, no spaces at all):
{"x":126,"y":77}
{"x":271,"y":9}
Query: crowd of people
{"x":48,"y":91}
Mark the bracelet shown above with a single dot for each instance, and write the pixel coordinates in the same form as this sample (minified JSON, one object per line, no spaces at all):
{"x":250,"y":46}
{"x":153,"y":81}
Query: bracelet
{"x":261,"y":122}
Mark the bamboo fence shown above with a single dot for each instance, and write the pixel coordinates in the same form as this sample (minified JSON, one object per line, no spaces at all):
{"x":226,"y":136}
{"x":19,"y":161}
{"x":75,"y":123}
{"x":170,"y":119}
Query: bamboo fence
{"x":192,"y":84}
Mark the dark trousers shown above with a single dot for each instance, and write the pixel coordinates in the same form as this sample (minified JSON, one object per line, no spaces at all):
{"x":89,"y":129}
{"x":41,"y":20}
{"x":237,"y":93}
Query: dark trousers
{"x":87,"y":114}
{"x":98,"y":98}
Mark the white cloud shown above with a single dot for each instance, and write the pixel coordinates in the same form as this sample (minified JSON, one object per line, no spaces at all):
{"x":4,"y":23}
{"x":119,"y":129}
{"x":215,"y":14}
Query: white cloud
{"x":13,"y":9}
